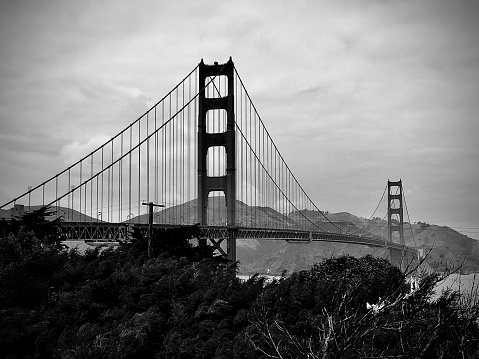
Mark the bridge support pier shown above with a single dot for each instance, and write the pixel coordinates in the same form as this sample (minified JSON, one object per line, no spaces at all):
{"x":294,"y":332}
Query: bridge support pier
{"x":396,"y":257}
{"x":227,"y":182}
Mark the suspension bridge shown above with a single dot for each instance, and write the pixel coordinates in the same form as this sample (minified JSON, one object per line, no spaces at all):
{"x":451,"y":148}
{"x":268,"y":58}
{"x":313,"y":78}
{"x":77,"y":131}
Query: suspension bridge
{"x":204,"y":153}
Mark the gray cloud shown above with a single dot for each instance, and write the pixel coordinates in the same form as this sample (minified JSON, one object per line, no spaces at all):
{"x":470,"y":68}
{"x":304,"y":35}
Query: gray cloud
{"x":375,"y":89}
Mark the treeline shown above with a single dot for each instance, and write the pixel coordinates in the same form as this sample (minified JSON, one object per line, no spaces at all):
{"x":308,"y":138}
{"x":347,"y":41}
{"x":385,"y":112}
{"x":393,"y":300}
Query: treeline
{"x":184,"y":302}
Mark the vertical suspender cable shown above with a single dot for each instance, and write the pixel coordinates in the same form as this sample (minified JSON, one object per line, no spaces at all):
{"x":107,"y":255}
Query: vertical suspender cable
{"x":170,"y":160}
{"x":73,"y":198}
{"x":276,"y":179}
{"x":253,"y":166}
{"x":91,"y":186}
{"x":188,"y":160}
{"x":239,"y":153}
{"x":147,"y":161}
{"x":239,"y":116}
{"x":246,"y":161}
{"x":129,"y":174}
{"x":250,"y":162}
{"x":139,"y":171}
{"x":195,"y":146}
{"x":176,"y":157}
{"x":164,"y":162}
{"x":56,"y":194}
{"x":97,"y":195}
{"x":110,"y":187}
{"x":120,"y":187}
{"x":81,"y":170}
{"x":271,"y":184}
{"x":85,"y":198}
{"x":182,"y":199}
{"x":102,"y":161}
{"x":162,"y":143}
{"x":256,"y":172}
{"x":156,"y":159}
{"x":110,"y":194}
{"x":237,"y":147}
{"x":281,"y":181}
{"x":175,"y":149}
{"x":186,"y":146}
{"x":263,"y":175}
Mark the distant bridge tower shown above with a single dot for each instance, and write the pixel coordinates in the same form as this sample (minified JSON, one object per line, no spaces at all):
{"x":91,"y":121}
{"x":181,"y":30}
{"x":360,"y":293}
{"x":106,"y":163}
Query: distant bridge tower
{"x":395,"y":212}
{"x":227,"y":182}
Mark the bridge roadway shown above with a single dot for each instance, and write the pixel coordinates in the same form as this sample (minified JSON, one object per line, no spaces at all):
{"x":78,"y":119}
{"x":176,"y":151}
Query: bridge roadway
{"x":106,"y":231}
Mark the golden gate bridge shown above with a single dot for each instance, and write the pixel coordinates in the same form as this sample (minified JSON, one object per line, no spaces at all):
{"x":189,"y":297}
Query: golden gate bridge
{"x":204,"y":153}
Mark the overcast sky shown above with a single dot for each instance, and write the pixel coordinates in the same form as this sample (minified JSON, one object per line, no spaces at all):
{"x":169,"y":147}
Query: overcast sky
{"x":353,"y":92}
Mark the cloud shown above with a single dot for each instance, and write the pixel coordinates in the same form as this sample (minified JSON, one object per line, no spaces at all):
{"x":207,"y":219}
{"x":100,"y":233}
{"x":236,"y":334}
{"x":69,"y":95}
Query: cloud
{"x":352,"y":92}
{"x":76,"y":150}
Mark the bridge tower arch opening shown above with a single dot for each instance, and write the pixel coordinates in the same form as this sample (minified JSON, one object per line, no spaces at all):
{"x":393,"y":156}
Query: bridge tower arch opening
{"x":222,"y":99}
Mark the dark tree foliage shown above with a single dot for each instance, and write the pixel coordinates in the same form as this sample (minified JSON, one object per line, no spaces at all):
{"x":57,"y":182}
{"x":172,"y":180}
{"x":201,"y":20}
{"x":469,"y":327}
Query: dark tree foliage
{"x":29,"y":251}
{"x":174,"y":242}
{"x":47,"y":232}
{"x":120,"y":304}
{"x":326,"y":312}
{"x":185,"y":303}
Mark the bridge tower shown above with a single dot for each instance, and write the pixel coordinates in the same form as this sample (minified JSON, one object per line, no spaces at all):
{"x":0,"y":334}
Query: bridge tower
{"x":227,"y":182}
{"x":395,"y":212}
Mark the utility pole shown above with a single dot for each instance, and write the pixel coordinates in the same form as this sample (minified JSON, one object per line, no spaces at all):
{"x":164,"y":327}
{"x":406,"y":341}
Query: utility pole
{"x":150,"y":223}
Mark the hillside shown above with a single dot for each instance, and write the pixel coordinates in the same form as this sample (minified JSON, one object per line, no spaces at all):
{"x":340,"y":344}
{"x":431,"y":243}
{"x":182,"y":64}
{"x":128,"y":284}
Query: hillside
{"x":274,"y":256}
{"x":444,"y":246}
{"x":67,"y":214}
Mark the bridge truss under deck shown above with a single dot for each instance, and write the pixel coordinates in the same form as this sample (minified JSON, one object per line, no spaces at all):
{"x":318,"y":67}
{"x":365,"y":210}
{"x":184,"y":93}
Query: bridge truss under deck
{"x":102,"y":231}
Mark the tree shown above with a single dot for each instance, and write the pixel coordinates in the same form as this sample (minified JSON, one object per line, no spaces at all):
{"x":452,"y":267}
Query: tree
{"x":323,"y":313}
{"x":47,"y":232}
{"x":175,"y":242}
{"x":184,"y":303}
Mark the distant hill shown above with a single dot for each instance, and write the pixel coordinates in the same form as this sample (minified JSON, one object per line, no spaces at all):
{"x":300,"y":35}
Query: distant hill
{"x":274,"y":256}
{"x":250,"y":216}
{"x":64,"y":212}
{"x":443,"y":246}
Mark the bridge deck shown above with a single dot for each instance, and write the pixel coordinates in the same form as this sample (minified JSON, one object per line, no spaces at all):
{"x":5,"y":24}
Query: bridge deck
{"x":105,"y":231}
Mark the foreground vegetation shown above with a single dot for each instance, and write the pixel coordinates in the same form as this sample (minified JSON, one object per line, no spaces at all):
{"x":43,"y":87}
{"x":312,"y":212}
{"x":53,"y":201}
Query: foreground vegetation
{"x":184,"y":302}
